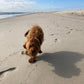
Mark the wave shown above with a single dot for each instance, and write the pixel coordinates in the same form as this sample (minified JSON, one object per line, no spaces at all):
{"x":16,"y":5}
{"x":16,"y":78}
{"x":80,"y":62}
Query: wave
{"x":11,"y":14}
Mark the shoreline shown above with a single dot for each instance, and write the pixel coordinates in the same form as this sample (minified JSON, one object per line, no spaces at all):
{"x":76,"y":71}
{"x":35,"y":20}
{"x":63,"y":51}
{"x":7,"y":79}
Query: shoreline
{"x":72,"y":12}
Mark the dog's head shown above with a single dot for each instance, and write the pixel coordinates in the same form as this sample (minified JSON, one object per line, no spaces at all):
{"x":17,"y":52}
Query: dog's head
{"x":33,"y":47}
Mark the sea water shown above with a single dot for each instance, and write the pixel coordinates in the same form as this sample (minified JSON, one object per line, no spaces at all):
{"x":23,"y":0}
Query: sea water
{"x":11,"y":14}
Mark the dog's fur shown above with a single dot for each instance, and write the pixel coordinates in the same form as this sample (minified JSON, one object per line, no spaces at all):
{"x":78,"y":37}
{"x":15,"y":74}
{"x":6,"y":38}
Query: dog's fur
{"x":34,"y":40}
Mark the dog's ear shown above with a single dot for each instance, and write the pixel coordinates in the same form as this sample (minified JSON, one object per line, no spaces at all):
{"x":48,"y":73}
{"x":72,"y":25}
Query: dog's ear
{"x":26,"y":33}
{"x":39,"y":40}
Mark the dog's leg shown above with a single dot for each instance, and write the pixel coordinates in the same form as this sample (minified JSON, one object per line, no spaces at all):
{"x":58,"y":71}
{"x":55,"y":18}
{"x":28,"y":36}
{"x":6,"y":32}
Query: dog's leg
{"x":24,"y":46}
{"x":32,"y":59}
{"x":26,"y":33}
{"x":25,"y":51}
{"x":40,"y":51}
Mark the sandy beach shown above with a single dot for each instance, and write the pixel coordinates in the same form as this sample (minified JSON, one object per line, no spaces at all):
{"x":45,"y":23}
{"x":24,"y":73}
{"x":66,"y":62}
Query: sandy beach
{"x":62,"y":60}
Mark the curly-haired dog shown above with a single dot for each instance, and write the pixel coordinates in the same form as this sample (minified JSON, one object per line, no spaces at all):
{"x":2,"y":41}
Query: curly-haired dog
{"x":34,"y":40}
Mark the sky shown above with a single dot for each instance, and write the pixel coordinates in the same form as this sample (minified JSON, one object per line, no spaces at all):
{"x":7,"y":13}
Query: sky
{"x":40,"y":5}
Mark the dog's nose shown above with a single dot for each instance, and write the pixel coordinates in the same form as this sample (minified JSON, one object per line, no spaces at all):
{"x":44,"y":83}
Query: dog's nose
{"x":32,"y":51}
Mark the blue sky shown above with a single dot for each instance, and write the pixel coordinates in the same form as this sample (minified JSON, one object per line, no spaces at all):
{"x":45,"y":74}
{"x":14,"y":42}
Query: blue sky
{"x":40,"y":5}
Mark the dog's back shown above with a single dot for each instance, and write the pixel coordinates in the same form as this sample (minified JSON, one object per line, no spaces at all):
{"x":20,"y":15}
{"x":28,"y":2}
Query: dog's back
{"x":36,"y":32}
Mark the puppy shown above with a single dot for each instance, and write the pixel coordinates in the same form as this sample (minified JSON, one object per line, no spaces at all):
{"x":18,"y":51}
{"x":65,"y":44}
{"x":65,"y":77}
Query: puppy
{"x":34,"y":40}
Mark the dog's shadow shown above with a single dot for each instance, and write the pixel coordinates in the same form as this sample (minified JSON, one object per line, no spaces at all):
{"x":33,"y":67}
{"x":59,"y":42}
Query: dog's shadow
{"x":64,"y":62}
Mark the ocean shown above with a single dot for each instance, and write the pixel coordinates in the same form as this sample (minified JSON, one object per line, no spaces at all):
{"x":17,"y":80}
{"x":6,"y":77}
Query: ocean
{"x":11,"y":14}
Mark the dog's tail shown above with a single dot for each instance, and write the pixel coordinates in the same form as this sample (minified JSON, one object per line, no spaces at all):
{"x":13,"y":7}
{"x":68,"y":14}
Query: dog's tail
{"x":26,"y":33}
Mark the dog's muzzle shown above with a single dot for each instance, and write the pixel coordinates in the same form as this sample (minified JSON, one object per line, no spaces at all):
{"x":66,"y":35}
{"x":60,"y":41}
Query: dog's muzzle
{"x":32,"y":51}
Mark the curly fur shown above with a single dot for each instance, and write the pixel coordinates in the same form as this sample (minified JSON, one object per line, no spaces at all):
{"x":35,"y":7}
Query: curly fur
{"x":34,"y":40}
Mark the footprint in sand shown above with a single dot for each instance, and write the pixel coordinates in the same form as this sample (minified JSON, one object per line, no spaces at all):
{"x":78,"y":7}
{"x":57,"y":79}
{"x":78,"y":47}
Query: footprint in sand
{"x":69,"y":31}
{"x":69,"y":28}
{"x":52,"y":34}
{"x":56,"y":40}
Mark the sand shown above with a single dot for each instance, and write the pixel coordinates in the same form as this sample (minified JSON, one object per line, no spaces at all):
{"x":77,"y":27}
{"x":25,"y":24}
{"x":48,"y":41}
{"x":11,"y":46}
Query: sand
{"x":73,"y":12}
{"x":62,"y":60}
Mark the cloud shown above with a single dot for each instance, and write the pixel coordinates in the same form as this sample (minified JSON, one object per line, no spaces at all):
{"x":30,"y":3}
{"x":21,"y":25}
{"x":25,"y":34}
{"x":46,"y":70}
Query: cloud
{"x":16,"y":5}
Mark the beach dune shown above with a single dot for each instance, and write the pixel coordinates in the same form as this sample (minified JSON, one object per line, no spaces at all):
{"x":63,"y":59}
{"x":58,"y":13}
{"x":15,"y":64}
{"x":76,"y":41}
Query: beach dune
{"x":62,"y":60}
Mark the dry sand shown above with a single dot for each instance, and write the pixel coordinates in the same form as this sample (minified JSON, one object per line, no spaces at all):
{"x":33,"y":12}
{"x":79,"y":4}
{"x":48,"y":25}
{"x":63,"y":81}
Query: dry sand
{"x":73,"y":12}
{"x":62,"y":60}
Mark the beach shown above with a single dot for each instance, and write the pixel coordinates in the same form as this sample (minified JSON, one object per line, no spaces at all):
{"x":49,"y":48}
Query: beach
{"x":62,"y":60}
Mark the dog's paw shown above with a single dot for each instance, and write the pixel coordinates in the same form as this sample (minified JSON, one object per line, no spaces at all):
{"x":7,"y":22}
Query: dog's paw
{"x":40,"y":51}
{"x":32,"y":60}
